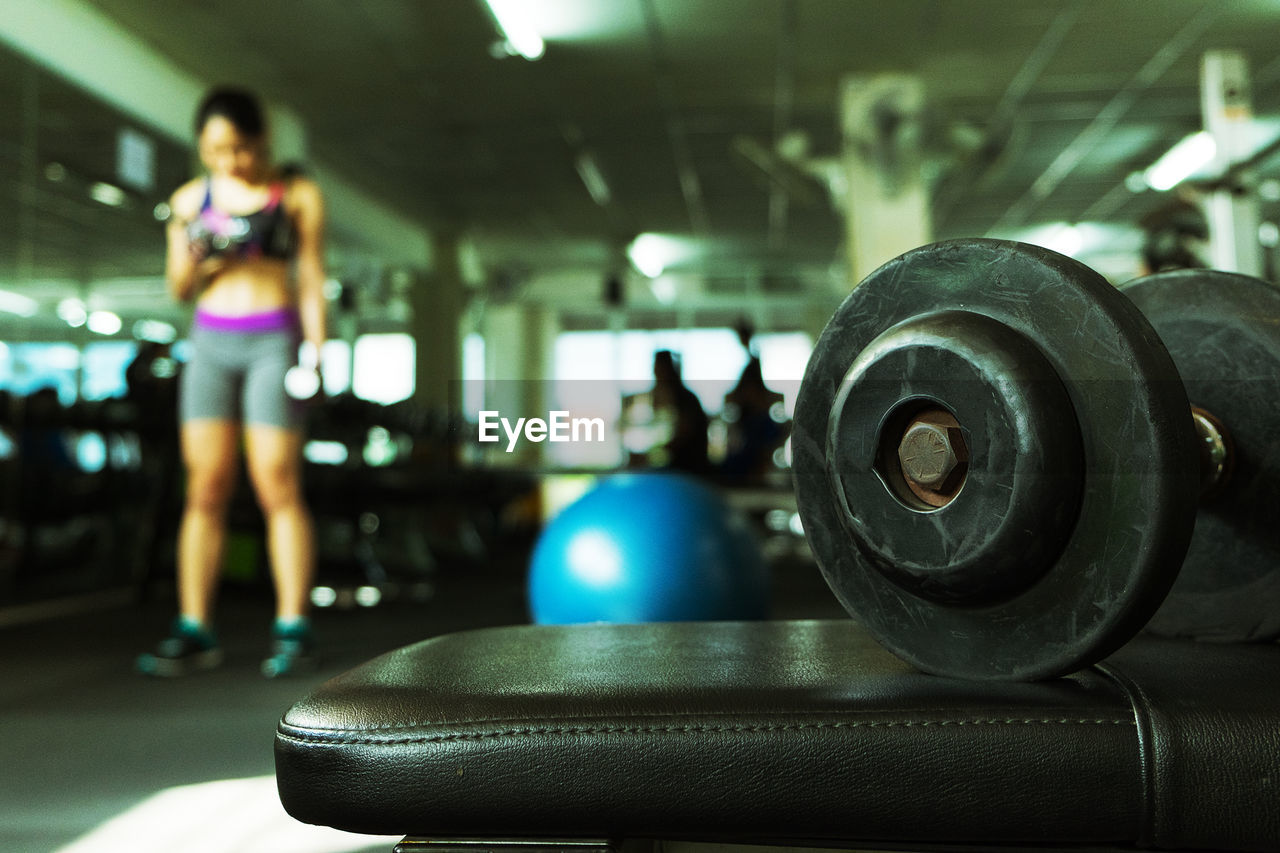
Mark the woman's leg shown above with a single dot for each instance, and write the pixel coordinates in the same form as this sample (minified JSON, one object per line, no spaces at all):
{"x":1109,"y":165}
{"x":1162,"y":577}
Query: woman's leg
{"x":273,"y":452}
{"x":274,"y":459}
{"x":210,"y":438}
{"x":209,"y":452}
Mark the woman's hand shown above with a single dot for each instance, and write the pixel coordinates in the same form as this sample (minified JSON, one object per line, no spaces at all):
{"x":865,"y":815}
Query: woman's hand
{"x":207,"y":264}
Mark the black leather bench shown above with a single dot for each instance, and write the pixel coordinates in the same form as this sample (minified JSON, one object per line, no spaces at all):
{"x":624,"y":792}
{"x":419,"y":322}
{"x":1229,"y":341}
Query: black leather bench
{"x":801,"y":734}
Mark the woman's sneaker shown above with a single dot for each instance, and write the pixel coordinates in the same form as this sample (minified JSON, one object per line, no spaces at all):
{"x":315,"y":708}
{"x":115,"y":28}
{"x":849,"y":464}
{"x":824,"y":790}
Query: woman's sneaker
{"x":188,"y":648}
{"x":292,"y":651}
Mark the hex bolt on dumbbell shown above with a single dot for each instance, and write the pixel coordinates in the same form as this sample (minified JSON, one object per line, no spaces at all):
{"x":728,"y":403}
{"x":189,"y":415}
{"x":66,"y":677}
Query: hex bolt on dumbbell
{"x":934,"y":457}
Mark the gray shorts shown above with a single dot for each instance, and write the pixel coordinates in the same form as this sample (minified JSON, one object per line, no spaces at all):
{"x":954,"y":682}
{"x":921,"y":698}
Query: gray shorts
{"x":237,"y":374}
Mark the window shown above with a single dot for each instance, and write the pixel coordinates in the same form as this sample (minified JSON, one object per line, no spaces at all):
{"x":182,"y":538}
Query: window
{"x":594,"y":371}
{"x":383,"y":367}
{"x":28,"y":367}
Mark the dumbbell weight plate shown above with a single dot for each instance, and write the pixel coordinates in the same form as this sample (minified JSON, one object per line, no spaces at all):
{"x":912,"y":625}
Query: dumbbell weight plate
{"x":1223,"y":332}
{"x":1080,"y":493}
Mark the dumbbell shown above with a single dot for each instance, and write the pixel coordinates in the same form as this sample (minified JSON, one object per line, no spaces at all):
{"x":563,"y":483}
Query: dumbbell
{"x":303,"y":381}
{"x":997,"y":463}
{"x":229,"y":238}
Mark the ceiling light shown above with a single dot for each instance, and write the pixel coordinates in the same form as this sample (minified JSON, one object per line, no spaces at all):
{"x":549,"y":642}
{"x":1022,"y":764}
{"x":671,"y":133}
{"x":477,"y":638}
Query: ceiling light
{"x":104,"y":322}
{"x":593,"y":178}
{"x":1065,"y":240}
{"x":72,"y":312}
{"x":1269,"y":234}
{"x":16,"y":303}
{"x":648,"y":253}
{"x":156,"y":331}
{"x":108,"y":194}
{"x":1183,"y":160}
{"x":664,"y":290}
{"x":514,"y":23}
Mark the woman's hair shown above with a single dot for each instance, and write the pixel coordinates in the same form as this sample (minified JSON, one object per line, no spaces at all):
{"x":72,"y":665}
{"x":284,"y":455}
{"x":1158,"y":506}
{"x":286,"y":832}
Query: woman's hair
{"x":238,"y":106}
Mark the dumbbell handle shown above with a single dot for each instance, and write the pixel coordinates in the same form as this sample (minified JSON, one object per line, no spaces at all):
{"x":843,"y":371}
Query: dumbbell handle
{"x":934,"y":434}
{"x":1217,"y":455}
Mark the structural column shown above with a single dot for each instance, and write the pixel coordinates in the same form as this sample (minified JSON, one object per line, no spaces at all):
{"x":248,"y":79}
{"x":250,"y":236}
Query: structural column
{"x":1231,"y":209}
{"x":887,"y":203}
{"x":438,"y":300}
{"x":519,"y":353}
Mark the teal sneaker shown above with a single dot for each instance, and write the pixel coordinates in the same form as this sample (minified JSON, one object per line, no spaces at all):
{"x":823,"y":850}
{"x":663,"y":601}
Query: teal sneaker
{"x":292,"y":651}
{"x":188,"y":648}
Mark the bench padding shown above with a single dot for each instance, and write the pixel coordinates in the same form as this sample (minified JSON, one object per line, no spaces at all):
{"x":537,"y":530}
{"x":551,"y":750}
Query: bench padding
{"x":785,"y":732}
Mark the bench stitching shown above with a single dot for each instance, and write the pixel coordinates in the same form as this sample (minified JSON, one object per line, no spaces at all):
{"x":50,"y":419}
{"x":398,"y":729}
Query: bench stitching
{"x":472,"y":721}
{"x":337,"y":737}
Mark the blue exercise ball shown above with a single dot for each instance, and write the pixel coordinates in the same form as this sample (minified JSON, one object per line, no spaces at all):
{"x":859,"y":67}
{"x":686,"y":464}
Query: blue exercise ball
{"x":648,"y":547}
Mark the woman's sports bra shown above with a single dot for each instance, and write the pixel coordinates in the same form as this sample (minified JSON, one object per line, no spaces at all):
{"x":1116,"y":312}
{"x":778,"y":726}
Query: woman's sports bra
{"x":266,"y":233}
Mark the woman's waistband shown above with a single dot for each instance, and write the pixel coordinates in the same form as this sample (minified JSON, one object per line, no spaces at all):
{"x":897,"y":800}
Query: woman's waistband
{"x":274,"y":320}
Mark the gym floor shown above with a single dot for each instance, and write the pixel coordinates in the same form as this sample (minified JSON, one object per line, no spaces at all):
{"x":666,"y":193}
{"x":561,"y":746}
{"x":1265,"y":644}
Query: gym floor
{"x":101,"y":759}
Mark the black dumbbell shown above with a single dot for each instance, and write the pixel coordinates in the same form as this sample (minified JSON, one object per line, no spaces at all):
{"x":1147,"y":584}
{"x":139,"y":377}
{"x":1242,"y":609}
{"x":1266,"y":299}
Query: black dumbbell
{"x":1223,"y":331}
{"x":995,"y":463}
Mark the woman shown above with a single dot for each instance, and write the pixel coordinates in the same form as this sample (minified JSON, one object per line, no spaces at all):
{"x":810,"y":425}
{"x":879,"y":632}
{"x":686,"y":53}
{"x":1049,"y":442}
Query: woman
{"x":245,"y":242}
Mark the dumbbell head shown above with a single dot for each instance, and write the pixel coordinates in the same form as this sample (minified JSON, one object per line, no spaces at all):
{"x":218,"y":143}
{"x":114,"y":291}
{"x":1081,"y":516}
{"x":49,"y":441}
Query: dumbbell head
{"x":1223,"y":333}
{"x":993,"y":461}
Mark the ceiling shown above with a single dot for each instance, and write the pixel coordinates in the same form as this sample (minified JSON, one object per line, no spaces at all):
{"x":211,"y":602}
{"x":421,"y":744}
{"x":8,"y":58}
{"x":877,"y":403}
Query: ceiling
{"x":1036,"y":112}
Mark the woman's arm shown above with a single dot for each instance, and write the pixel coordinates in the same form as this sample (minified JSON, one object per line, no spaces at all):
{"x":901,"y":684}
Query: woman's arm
{"x":308,"y":205}
{"x":187,"y":266}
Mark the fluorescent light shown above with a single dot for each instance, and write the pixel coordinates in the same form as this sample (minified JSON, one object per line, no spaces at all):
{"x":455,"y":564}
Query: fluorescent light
{"x":104,"y":322}
{"x":325,"y":453}
{"x":648,"y":264}
{"x":1065,"y":240}
{"x":664,"y":290}
{"x":108,"y":194}
{"x":368,"y":596}
{"x":513,"y":20}
{"x":72,"y":312}
{"x":655,"y":254}
{"x":157,"y":331}
{"x":16,"y":303}
{"x":649,"y":253}
{"x":1183,"y":160}
{"x":1269,"y":234}
{"x":593,"y":178}
{"x":324,"y":596}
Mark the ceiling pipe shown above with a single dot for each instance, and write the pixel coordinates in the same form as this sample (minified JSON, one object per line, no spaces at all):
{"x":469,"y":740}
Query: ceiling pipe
{"x":1000,"y":123}
{"x":783,"y":101}
{"x":687,"y":174}
{"x":1071,"y":156}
